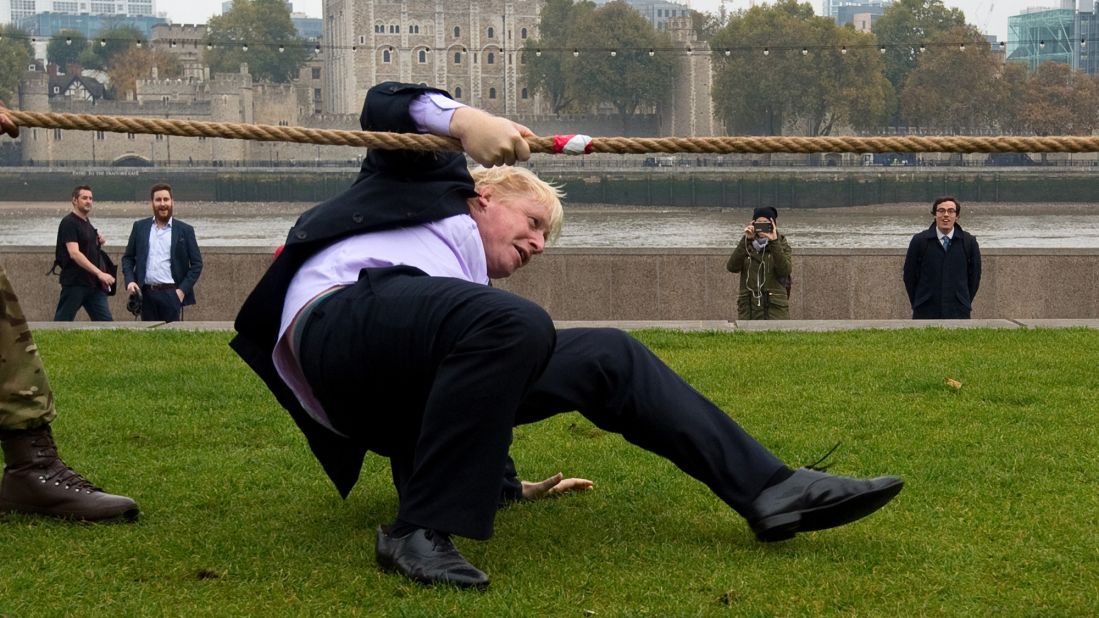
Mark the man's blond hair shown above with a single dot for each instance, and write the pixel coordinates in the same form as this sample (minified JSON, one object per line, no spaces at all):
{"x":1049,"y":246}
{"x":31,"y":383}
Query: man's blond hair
{"x":510,"y":181}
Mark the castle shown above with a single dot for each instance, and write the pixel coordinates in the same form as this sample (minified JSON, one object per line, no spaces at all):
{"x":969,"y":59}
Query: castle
{"x":471,"y":48}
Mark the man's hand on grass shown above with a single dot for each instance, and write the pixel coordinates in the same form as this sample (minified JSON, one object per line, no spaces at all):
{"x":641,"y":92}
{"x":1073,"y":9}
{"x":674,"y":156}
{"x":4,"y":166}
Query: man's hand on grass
{"x":554,"y":486}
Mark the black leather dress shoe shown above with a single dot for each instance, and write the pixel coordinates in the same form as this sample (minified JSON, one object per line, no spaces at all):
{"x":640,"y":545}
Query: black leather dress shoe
{"x":814,"y":500}
{"x":429,"y":557}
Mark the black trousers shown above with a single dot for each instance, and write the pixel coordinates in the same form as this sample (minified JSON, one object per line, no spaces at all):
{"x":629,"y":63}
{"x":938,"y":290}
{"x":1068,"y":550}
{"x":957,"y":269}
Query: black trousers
{"x":433,"y":373}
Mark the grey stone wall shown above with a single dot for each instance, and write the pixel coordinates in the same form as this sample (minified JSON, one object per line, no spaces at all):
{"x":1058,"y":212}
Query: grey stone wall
{"x":668,"y":284}
{"x":418,"y":41}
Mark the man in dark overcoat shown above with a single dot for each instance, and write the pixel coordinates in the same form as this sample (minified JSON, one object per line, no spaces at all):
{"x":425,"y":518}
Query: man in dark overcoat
{"x":942,"y":269}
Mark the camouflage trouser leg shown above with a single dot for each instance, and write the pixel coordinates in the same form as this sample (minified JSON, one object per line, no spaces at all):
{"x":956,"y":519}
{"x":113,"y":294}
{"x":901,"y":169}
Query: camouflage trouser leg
{"x":26,"y":400}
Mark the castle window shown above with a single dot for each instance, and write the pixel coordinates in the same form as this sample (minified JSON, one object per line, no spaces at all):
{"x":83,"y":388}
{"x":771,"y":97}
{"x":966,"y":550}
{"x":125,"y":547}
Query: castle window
{"x":378,"y":29}
{"x":422,"y":56}
{"x":99,"y":136}
{"x":130,"y":136}
{"x":491,"y":32}
{"x":57,"y":135}
{"x":457,"y":92}
{"x":525,"y":94}
{"x":457,"y":32}
{"x":491,"y":58}
{"x":386,"y":56}
{"x":316,"y":72}
{"x":457,"y":57}
{"x":159,"y":137}
{"x":492,"y":93}
{"x":522,"y":33}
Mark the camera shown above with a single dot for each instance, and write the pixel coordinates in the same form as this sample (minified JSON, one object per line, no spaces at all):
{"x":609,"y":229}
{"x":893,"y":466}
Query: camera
{"x":133,"y":305}
{"x":764,"y":227}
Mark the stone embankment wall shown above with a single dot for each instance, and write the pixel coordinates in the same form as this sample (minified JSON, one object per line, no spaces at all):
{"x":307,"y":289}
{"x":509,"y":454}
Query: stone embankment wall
{"x":668,"y":284}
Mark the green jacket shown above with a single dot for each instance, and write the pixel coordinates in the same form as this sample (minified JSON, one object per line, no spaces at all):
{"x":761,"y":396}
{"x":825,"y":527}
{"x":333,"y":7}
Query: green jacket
{"x":762,"y":296}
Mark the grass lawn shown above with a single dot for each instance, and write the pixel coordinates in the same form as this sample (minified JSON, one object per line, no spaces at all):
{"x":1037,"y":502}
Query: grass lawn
{"x":999,"y":516}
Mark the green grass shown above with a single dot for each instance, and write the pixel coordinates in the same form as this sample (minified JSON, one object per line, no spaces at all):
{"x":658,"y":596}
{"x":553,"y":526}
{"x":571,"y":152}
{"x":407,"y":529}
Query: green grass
{"x":998,"y":517}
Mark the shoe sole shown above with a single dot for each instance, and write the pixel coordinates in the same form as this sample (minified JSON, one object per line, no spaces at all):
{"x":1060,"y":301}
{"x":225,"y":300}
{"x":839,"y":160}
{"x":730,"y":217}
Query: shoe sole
{"x":389,"y":566}
{"x":785,"y":526}
{"x":127,"y":516}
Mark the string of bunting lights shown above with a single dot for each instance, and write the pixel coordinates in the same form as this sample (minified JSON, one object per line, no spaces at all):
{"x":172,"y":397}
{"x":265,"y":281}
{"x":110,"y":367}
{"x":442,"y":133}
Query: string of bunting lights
{"x":763,"y":50}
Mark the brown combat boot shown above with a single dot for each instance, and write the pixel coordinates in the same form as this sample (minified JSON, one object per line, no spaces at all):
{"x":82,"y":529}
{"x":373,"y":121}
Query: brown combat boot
{"x":36,"y":481}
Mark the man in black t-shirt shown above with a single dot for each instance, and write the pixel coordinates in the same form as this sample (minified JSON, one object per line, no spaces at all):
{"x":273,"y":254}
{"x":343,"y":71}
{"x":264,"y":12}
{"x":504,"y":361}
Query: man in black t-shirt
{"x":83,"y":283}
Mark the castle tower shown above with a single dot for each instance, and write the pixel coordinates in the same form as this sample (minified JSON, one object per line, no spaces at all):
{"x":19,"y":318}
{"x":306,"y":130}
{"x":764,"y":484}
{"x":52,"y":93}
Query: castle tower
{"x":468,"y":47}
{"x":690,"y":110}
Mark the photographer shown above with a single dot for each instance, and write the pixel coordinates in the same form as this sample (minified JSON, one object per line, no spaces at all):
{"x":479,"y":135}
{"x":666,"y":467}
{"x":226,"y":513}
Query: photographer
{"x":762,"y":257}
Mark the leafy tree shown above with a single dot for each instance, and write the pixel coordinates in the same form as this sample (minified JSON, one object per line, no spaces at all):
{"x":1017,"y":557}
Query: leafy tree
{"x":65,"y":48}
{"x":548,"y":64}
{"x":15,"y":55}
{"x":846,"y":87}
{"x":137,"y":63}
{"x":705,"y":25}
{"x":88,"y":58}
{"x":616,"y":66}
{"x":1009,"y":105}
{"x":275,"y":53}
{"x":1060,"y":101}
{"x":820,"y":89}
{"x":952,"y":89}
{"x":111,"y":42}
{"x":907,"y":24}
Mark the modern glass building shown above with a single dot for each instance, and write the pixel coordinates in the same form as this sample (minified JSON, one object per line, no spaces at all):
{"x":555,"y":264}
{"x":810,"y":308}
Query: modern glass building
{"x":49,"y":24}
{"x":658,"y":12}
{"x":1041,"y":35}
{"x":845,"y":11}
{"x":15,"y":11}
{"x":1062,"y":35}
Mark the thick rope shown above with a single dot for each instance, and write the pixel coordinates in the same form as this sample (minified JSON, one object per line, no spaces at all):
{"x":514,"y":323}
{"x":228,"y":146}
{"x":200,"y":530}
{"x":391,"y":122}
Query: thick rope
{"x":619,"y":145}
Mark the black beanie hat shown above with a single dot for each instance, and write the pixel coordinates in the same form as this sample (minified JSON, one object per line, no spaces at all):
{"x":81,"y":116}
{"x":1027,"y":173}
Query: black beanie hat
{"x":766,"y":211}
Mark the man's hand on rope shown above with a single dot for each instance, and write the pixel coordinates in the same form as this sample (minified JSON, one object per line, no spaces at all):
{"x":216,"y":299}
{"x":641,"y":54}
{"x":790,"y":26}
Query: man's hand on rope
{"x":490,"y":140}
{"x":6,"y":125}
{"x":554,"y":486}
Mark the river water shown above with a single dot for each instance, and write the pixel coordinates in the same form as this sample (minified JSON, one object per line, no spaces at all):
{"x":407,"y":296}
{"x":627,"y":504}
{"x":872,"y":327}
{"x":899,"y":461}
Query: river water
{"x":997,"y":225}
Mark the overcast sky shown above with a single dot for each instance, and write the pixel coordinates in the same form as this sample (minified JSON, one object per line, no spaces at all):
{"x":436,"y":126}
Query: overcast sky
{"x":988,"y":15}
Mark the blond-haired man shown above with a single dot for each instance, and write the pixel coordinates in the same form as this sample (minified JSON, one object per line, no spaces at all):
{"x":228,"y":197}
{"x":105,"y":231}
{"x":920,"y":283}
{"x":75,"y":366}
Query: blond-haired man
{"x":377,"y":329}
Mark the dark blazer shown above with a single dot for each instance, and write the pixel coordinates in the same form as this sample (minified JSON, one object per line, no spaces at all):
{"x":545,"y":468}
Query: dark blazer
{"x":942,"y":284}
{"x":185,"y":256}
{"x":396,"y":188}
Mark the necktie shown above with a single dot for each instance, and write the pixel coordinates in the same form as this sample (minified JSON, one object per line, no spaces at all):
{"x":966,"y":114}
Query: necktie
{"x":946,"y":243}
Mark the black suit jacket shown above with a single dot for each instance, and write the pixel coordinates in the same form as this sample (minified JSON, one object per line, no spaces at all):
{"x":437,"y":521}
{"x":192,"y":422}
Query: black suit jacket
{"x":942,"y":284}
{"x":185,"y":257}
{"x":394,"y":189}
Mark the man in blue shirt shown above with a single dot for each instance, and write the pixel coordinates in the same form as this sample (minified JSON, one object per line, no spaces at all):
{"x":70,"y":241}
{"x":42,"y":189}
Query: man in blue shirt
{"x":162,"y":261}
